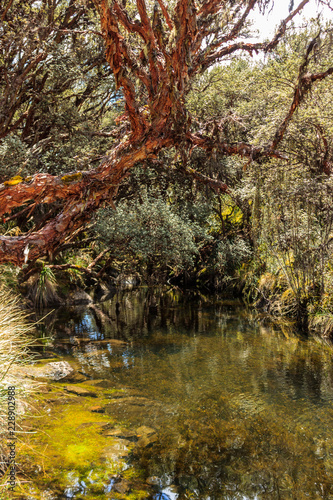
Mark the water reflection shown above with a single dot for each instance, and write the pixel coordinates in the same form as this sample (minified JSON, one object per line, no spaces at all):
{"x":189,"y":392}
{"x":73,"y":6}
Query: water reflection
{"x":241,"y":411}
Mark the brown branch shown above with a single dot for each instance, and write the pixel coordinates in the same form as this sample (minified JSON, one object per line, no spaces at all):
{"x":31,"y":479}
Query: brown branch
{"x":151,"y":43}
{"x":304,"y":84}
{"x":166,"y":14}
{"x":64,"y":267}
{"x":229,"y":149}
{"x":215,"y":184}
{"x":238,"y":26}
{"x":8,"y":6}
{"x":45,"y":241}
{"x":210,"y":7}
{"x":117,"y":56}
{"x":85,"y":192}
{"x":205,"y":60}
{"x":98,"y":258}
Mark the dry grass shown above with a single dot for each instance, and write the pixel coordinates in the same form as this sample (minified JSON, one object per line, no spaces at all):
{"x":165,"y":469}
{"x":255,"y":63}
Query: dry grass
{"x":15,"y":337}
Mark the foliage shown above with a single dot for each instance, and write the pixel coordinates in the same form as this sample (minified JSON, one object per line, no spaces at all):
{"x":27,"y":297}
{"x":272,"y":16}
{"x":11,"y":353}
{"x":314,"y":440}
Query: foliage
{"x":151,"y":232}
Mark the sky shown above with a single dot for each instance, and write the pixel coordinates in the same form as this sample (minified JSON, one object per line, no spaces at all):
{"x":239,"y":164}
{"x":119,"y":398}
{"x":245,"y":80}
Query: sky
{"x":267,"y":23}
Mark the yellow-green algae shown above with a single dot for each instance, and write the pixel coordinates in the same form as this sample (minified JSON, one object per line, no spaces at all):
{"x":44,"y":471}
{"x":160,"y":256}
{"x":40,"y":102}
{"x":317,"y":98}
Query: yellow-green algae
{"x":68,"y":445}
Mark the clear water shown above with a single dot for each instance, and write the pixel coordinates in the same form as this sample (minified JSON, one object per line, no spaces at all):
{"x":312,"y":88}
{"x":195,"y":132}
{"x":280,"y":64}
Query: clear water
{"x":242,"y":411}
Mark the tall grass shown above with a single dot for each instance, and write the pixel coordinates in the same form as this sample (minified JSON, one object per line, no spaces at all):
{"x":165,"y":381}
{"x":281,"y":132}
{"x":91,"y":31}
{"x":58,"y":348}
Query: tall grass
{"x":43,"y":291}
{"x":15,"y":337}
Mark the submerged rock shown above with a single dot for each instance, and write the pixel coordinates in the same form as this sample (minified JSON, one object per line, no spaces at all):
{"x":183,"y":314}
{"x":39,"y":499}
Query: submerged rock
{"x":127,"y":400}
{"x":63,"y":400}
{"x":118,"y":450}
{"x":97,"y":409}
{"x":146,"y":436}
{"x":80,"y":391}
{"x":146,"y":441}
{"x":121,"y":434}
{"x":104,"y":383}
{"x":102,"y":425}
{"x":145,"y":431}
{"x":123,"y":487}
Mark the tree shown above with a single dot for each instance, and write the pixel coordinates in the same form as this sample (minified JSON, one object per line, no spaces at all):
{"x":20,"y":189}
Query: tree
{"x":155,"y":53}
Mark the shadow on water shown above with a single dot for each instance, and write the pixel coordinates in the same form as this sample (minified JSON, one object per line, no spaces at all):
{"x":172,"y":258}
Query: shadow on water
{"x":239,"y":411}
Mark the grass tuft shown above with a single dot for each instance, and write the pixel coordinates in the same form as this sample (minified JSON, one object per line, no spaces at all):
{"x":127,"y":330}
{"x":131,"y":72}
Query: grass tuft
{"x":15,"y":338}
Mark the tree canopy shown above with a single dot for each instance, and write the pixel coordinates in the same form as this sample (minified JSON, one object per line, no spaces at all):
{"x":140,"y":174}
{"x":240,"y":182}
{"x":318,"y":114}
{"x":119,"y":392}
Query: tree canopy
{"x":120,"y":77}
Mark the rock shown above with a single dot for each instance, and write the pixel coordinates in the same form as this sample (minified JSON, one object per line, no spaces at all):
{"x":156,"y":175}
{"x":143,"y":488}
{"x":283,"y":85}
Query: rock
{"x":127,"y":400}
{"x":121,"y":434}
{"x":145,"y":431}
{"x":147,"y":436}
{"x":56,"y":371}
{"x":106,"y":384}
{"x":97,"y":409}
{"x":146,"y":441}
{"x":123,"y":487}
{"x":44,"y":389}
{"x":119,"y":449}
{"x":80,"y":391}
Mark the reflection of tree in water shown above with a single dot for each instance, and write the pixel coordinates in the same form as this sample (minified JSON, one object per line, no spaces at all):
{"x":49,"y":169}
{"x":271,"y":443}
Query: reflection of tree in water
{"x":241,"y":411}
{"x":226,"y":452}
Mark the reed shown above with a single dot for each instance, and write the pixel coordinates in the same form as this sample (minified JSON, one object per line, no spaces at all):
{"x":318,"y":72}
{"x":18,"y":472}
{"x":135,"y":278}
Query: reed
{"x":15,"y":338}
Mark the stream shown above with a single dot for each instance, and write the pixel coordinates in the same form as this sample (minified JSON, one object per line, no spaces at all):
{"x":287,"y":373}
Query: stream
{"x":212,"y":403}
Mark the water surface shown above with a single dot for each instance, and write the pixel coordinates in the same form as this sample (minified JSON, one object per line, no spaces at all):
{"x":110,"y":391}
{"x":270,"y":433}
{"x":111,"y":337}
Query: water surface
{"x":241,"y":410}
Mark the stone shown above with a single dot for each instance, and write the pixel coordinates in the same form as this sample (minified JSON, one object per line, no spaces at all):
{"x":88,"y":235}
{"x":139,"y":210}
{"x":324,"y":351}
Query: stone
{"x":63,"y":400}
{"x":97,"y":409}
{"x":104,"y":383}
{"x":121,"y":434}
{"x":146,"y":441}
{"x":118,"y":450}
{"x":127,"y":400}
{"x":123,"y":487}
{"x":44,"y":389}
{"x":80,"y":391}
{"x":145,"y":431}
{"x":146,"y":436}
{"x":56,"y":371}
